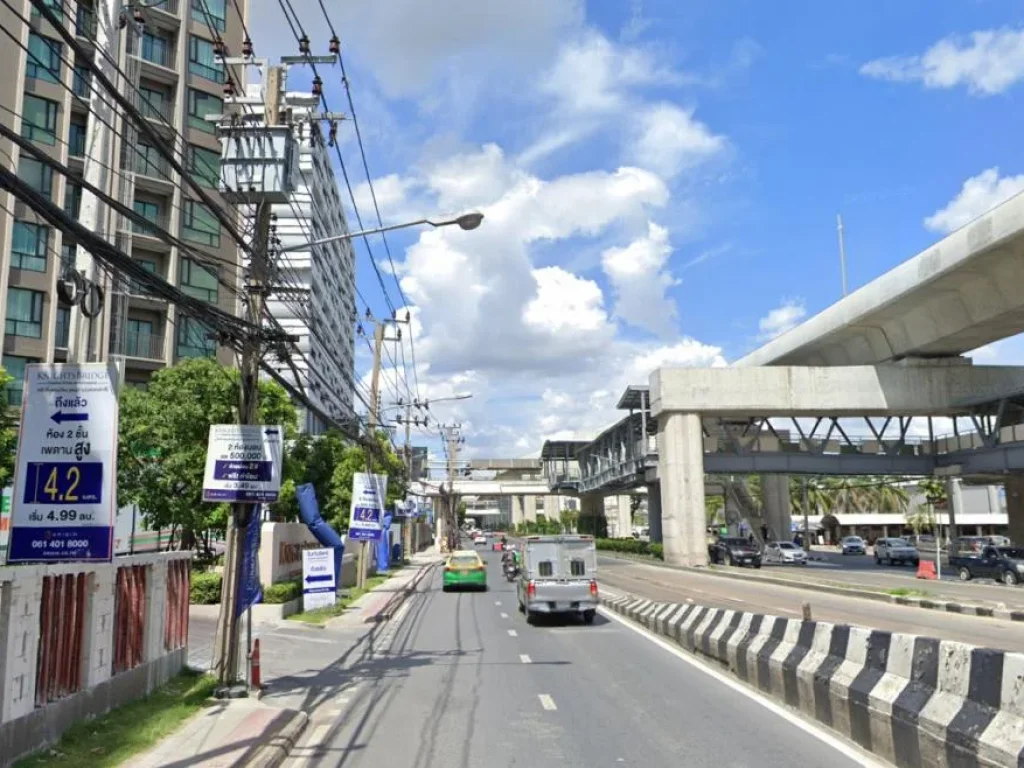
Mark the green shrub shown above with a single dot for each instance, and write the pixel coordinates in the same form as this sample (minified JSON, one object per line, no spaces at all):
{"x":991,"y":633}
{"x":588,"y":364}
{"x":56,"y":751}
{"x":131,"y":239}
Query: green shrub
{"x":632,"y":547}
{"x":205,"y":588}
{"x":658,"y":551}
{"x":282,"y":592}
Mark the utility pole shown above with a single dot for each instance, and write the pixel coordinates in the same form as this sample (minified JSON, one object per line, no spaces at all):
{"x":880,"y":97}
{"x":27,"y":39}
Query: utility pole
{"x":448,"y":523}
{"x":807,"y":522}
{"x":842,"y":250}
{"x":226,"y":647}
{"x":407,"y":527}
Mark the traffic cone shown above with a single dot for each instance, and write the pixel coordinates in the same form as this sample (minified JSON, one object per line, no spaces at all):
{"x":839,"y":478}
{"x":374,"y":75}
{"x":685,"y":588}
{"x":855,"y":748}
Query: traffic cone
{"x":254,"y":665}
{"x":926,"y":569}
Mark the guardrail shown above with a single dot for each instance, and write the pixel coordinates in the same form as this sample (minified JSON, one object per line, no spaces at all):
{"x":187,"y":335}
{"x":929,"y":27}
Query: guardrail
{"x":78,"y":639}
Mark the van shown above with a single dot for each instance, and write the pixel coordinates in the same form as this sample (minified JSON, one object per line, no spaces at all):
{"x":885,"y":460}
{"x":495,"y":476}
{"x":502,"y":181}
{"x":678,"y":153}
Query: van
{"x":558,"y":575}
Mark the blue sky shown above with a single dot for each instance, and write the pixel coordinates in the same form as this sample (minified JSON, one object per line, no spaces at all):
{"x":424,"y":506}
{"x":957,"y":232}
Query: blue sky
{"x":661,"y":180}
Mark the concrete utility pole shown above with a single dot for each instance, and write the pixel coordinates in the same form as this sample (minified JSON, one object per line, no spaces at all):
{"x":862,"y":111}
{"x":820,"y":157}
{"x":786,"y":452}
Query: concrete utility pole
{"x":82,"y":347}
{"x":407,"y":527}
{"x":242,"y":513}
{"x":447,"y":531}
{"x":842,"y":250}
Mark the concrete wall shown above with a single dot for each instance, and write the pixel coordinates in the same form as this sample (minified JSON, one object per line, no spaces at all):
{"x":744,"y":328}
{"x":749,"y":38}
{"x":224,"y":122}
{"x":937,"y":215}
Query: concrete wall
{"x":281,"y":546}
{"x":26,"y":727}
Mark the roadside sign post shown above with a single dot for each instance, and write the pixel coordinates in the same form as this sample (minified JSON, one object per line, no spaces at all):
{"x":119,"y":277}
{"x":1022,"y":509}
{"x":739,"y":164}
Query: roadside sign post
{"x":243,"y":463}
{"x":65,"y":481}
{"x":319,"y":581}
{"x":367,"y":514}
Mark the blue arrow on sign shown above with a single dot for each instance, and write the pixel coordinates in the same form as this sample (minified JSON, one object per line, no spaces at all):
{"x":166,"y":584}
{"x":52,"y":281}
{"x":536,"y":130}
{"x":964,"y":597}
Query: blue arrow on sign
{"x":323,"y":577}
{"x":61,"y":417}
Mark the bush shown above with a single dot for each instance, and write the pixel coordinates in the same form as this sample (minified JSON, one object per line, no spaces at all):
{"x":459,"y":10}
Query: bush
{"x":632,"y":547}
{"x":282,"y":592}
{"x":205,"y":589}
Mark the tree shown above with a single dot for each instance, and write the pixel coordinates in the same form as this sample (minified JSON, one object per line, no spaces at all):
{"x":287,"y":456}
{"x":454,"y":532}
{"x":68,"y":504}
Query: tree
{"x":8,"y":434}
{"x":310,"y":459}
{"x":354,"y":459}
{"x":934,"y":491}
{"x":921,"y":518}
{"x":714,"y":510}
{"x":163,"y":437}
{"x":569,"y":518}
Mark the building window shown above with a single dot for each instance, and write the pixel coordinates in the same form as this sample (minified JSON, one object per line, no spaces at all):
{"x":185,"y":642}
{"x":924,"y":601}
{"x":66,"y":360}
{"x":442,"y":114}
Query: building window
{"x":80,"y":81}
{"x":150,"y":212}
{"x":36,"y":175}
{"x":62,"y":332}
{"x":29,"y":245}
{"x":204,"y":165}
{"x":138,"y":341}
{"x":72,"y":199}
{"x":199,"y":106}
{"x":201,"y":61}
{"x":199,"y":281}
{"x":211,"y":13}
{"x":148,"y":161}
{"x":134,"y":287}
{"x":155,"y":49}
{"x":199,"y":224}
{"x":43,"y":61}
{"x":39,"y":120}
{"x":153,"y":102}
{"x":24,"y":313}
{"x":76,"y":139}
{"x":192,"y":339}
{"x":15,"y":368}
{"x":55,"y":7}
{"x":85,"y":22}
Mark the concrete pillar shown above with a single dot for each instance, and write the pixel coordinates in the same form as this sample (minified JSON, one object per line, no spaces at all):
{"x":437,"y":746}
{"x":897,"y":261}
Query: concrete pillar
{"x":954,"y":504}
{"x":654,"y":512}
{"x":733,"y":514}
{"x":623,"y":520}
{"x":777,"y":512}
{"x":1015,"y":507}
{"x":530,"y":508}
{"x":681,"y":470}
{"x":517,"y":510}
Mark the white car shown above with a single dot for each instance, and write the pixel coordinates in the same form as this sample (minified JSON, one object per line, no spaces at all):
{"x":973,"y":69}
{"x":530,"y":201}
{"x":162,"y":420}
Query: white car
{"x":480,"y":540}
{"x":854,"y":545}
{"x":785,"y":552}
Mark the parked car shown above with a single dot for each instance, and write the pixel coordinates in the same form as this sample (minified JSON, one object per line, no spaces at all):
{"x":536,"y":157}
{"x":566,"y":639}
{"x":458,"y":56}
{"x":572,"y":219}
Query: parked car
{"x":734,"y":551}
{"x":558,"y":575}
{"x":1005,"y":564}
{"x":893,"y":551}
{"x":784,"y":552}
{"x":854,"y":545}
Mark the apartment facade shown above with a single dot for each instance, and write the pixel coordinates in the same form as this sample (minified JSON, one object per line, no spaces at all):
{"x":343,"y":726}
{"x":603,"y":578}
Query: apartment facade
{"x":314,"y":297}
{"x":45,"y":98}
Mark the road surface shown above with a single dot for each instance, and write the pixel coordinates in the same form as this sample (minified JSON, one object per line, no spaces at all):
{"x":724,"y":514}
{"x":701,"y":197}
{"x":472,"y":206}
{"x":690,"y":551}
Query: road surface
{"x":460,"y":680}
{"x":672,"y":585}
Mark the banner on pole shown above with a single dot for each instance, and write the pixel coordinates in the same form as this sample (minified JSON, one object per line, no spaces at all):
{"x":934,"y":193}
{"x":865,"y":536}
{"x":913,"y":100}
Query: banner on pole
{"x":249,"y":590}
{"x":367,"y":514}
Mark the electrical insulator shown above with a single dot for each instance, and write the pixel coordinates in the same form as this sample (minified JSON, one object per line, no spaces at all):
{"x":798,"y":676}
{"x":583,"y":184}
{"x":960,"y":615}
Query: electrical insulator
{"x":139,"y":18}
{"x":304,"y":45}
{"x":318,"y":86}
{"x":219,"y":49}
{"x":335,"y":46}
{"x":368,"y":315}
{"x":122,"y":20}
{"x":407,"y":315}
{"x":332,"y":135}
{"x":247,"y":48}
{"x":229,"y":88}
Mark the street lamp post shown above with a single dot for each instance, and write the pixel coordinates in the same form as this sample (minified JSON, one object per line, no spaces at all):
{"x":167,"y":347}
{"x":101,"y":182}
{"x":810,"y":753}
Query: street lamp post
{"x":466,"y":221}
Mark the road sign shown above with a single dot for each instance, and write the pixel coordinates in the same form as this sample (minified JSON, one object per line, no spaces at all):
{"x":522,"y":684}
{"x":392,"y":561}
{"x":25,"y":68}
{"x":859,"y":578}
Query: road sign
{"x":319,"y":581}
{"x":65,"y":483}
{"x":243,"y":463}
{"x":367,"y":512}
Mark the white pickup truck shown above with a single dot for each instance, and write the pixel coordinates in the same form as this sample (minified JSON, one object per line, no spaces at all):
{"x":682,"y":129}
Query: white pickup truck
{"x":558,"y":575}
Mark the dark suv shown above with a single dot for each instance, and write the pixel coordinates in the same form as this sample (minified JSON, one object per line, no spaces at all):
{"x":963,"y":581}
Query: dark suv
{"x":734,"y":551}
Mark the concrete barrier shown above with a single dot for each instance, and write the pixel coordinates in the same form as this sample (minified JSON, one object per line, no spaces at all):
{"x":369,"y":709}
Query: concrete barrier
{"x":913,"y":701}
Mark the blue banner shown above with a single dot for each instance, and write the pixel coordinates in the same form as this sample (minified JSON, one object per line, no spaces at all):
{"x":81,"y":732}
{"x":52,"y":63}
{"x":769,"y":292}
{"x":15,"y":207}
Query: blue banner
{"x":249,"y":590}
{"x":384,"y":546}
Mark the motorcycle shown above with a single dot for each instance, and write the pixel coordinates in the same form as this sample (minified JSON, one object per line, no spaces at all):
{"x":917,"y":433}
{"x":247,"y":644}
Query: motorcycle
{"x":511,"y":570}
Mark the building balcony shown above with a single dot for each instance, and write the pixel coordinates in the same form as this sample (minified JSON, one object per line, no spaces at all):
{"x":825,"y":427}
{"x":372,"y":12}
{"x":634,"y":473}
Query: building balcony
{"x":144,"y":346}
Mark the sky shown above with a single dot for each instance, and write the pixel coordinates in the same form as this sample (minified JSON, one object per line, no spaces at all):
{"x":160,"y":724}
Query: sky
{"x":660,"y":180}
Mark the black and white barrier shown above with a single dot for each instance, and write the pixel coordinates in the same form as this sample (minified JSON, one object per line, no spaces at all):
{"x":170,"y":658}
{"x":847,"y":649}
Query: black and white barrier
{"x":913,"y":701}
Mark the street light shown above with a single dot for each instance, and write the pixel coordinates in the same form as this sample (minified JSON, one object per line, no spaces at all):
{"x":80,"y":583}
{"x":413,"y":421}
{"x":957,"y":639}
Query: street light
{"x":466,"y":221}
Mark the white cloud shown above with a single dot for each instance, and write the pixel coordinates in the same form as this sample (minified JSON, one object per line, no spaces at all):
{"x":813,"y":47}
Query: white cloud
{"x":638,"y":275}
{"x":565,"y":304}
{"x":668,"y":139}
{"x":989,"y":62}
{"x":978,"y":195}
{"x":781,"y":319}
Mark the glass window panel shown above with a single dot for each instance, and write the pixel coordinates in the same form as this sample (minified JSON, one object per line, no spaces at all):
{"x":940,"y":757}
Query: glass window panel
{"x":29,"y":245}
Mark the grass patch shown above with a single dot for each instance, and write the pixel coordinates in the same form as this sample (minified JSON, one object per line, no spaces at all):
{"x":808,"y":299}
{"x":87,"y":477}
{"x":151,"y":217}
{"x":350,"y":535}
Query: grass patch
{"x":906,"y":592}
{"x":126,"y":731}
{"x":321,"y":615}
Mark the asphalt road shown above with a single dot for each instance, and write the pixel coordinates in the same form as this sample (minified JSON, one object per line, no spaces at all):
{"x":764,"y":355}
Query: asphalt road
{"x":459,"y":680}
{"x":668,"y":584}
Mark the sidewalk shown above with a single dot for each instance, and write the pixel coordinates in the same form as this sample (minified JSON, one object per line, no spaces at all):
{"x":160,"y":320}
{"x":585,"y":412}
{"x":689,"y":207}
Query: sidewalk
{"x":259,"y":732}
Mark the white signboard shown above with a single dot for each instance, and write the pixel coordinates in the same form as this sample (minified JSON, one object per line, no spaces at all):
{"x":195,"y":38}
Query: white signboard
{"x":319,"y":581}
{"x":65,"y":482}
{"x":243,"y":463}
{"x":368,"y":494}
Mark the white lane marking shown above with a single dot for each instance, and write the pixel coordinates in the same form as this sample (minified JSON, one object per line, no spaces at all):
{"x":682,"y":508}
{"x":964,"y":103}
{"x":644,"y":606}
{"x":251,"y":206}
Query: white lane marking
{"x":497,"y":602}
{"x":547,"y":702}
{"x":513,"y":633}
{"x":304,"y":755}
{"x":504,"y":615}
{"x":525,"y":659}
{"x":844,"y":747}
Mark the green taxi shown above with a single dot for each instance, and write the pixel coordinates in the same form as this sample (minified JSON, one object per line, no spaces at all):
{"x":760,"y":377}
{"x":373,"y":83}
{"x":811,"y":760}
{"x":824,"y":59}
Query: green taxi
{"x":464,"y":568}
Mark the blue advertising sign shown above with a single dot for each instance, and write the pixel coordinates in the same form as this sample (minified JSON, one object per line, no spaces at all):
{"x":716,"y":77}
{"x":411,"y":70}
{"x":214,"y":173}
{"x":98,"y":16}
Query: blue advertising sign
{"x":368,"y":494}
{"x":243,"y":463}
{"x":63,"y":502}
{"x":319,"y":579}
{"x":249,"y":590}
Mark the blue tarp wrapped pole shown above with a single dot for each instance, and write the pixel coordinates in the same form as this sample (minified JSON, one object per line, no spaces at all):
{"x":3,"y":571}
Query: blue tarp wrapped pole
{"x":384,"y":544}
{"x":309,"y":511}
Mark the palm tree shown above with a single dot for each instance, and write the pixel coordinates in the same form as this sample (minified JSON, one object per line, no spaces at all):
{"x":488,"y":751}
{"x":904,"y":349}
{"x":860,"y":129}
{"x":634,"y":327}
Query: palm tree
{"x":891,"y":498}
{"x":714,"y":510}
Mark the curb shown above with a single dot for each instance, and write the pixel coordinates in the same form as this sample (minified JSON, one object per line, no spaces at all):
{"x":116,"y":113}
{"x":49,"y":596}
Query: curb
{"x":947,"y":606}
{"x":395,"y":601}
{"x":912,"y":701}
{"x":275,"y":751}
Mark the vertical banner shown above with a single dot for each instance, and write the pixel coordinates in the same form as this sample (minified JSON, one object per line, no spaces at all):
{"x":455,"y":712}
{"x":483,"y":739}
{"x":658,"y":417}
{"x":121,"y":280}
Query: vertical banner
{"x":249,"y":590}
{"x":384,"y":545}
{"x":367,"y":514}
{"x":65,"y":481}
